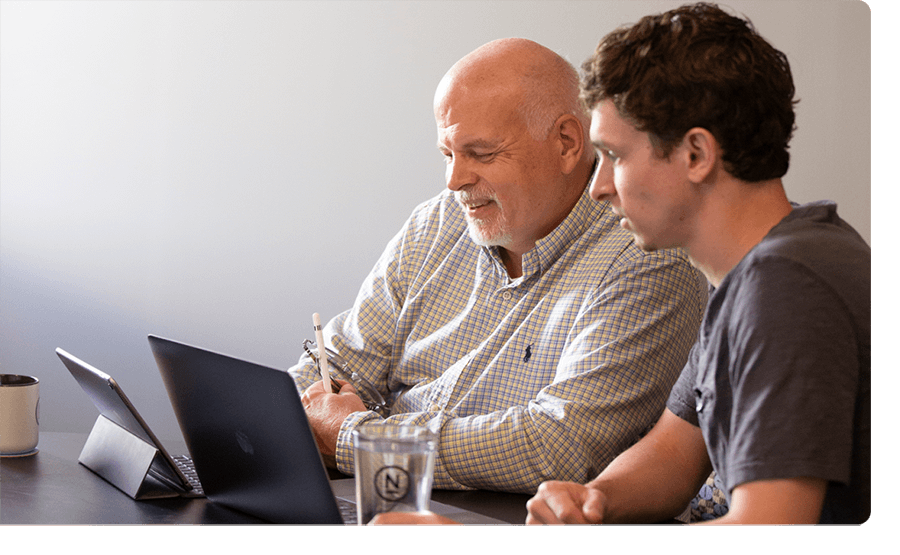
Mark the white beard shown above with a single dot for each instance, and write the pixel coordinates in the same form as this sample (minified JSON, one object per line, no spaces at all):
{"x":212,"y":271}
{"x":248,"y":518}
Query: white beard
{"x":486,"y":233}
{"x":486,"y":237}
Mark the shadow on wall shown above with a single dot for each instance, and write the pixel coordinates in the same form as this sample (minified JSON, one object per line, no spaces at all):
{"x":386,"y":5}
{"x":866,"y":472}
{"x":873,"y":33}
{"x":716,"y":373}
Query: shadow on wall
{"x":40,"y":314}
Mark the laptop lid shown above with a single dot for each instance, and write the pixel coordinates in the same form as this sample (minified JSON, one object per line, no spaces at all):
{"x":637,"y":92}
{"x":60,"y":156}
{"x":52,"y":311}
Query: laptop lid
{"x":114,"y":405}
{"x":247,"y":432}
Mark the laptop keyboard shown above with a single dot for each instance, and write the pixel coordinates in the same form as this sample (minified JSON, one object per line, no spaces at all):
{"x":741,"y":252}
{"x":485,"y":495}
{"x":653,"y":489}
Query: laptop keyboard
{"x":186,"y":465}
{"x":348,"y":511}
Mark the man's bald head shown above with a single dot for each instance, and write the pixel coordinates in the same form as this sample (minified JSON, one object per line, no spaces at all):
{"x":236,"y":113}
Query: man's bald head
{"x":541,"y":84}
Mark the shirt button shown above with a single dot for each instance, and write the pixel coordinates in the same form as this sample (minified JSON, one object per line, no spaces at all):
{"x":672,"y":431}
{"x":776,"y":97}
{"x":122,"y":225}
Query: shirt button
{"x":506,"y":295}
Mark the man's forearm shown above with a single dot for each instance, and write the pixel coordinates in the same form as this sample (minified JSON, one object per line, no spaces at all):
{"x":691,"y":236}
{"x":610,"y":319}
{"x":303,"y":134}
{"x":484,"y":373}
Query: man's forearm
{"x":656,"y":478}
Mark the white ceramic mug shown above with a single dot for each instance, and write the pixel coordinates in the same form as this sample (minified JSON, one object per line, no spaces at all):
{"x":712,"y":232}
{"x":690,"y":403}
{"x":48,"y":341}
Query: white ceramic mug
{"x":19,"y":414}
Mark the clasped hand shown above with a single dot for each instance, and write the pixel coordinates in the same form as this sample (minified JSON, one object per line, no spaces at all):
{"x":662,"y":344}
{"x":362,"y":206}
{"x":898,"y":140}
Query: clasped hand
{"x":326,"y":412}
{"x":566,"y":503}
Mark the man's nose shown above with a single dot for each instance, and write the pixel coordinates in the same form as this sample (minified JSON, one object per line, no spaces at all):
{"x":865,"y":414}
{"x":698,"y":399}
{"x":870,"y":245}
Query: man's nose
{"x":459,"y":174}
{"x":602,"y":183}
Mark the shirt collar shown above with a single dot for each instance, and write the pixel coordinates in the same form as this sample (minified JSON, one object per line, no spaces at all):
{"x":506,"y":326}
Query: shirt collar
{"x":549,"y":248}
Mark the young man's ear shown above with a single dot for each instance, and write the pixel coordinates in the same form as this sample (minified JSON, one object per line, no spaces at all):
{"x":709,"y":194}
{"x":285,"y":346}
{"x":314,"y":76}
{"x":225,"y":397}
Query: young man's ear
{"x":570,"y":135}
{"x":702,"y":150}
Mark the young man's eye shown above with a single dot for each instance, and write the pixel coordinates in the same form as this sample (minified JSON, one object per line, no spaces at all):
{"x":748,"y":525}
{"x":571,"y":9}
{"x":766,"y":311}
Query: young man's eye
{"x":606,"y":153}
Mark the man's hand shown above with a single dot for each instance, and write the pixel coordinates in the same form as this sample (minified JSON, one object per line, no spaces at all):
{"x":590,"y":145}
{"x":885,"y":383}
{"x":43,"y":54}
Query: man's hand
{"x":565,"y":503}
{"x":326,"y":412}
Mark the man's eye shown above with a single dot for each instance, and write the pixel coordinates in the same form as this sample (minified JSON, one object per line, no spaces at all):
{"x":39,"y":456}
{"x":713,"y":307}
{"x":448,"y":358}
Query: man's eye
{"x":611,"y":155}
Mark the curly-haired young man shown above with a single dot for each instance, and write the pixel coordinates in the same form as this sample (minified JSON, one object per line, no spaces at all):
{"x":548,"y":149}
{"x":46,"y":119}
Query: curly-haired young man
{"x":692,"y":112}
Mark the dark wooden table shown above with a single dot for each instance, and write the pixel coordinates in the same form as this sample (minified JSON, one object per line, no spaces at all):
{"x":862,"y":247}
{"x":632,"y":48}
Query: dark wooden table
{"x":51,"y":487}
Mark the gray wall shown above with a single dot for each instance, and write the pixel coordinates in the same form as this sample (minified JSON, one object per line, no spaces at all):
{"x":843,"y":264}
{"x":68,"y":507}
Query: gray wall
{"x":218,"y":171}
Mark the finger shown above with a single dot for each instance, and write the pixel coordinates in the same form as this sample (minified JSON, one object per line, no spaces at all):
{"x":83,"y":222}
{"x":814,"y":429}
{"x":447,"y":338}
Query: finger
{"x":539,"y":512}
{"x":314,"y":390}
{"x":559,"y":503}
{"x":347,"y":387}
{"x":592,"y":509}
{"x":539,"y":507}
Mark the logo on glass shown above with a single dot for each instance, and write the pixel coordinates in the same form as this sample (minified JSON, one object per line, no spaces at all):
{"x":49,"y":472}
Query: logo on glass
{"x":392,"y":483}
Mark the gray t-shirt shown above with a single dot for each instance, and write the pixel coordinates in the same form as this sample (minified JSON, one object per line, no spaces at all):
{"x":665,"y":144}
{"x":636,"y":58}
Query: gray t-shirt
{"x":779,"y":380}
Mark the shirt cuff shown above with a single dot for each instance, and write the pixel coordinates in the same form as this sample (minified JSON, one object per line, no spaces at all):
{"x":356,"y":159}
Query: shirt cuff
{"x":344,"y":449}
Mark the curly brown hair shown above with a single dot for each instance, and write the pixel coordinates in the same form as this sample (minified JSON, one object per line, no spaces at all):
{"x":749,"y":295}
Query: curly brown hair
{"x":697,"y":66}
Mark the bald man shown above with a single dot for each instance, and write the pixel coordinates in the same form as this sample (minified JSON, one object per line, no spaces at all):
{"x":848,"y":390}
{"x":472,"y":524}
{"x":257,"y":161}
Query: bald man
{"x":511,"y":313}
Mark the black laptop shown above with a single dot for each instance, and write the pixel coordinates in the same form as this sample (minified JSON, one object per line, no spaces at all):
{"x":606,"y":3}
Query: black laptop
{"x":250,"y":441}
{"x":247,"y":433}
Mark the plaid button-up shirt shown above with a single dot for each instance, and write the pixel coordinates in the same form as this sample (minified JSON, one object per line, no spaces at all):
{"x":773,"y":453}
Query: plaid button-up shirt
{"x":548,"y":376}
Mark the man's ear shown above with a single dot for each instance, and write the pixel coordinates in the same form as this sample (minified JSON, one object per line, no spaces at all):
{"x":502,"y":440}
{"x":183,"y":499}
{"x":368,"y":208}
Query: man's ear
{"x":570,"y":135}
{"x":702,"y":150}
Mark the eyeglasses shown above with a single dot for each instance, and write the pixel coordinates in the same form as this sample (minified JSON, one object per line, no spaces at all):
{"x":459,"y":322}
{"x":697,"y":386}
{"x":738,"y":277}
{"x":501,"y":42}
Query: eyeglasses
{"x":370,"y":396}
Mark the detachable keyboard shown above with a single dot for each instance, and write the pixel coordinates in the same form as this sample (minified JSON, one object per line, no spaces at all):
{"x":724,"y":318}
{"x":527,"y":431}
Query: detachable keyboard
{"x":186,"y":465}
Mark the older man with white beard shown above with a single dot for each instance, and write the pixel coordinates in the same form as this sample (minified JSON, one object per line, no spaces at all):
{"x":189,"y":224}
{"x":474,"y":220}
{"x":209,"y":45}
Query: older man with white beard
{"x":512,"y":313}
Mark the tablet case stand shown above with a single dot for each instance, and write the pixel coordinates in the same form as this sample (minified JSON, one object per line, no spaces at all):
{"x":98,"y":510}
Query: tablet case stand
{"x":124,"y":460}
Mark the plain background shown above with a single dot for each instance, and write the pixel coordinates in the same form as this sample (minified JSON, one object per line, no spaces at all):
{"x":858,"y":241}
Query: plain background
{"x":215,"y":172}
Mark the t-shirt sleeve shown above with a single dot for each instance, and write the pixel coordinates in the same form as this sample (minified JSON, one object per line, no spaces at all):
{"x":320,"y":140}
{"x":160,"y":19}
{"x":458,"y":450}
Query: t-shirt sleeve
{"x":794,"y":375}
{"x":681,"y":400}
